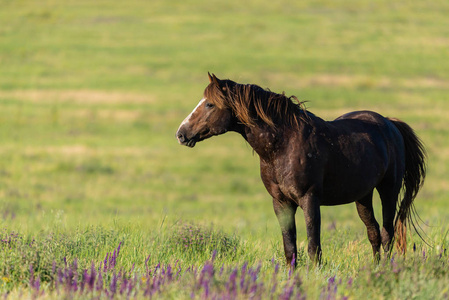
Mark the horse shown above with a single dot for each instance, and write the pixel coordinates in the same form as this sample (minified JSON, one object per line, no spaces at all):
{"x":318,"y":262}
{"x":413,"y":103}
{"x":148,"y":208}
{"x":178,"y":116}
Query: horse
{"x":308,"y":162}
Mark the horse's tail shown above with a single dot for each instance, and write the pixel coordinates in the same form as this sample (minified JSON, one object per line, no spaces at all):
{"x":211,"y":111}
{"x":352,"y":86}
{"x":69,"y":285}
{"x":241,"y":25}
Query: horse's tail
{"x":415,"y":172}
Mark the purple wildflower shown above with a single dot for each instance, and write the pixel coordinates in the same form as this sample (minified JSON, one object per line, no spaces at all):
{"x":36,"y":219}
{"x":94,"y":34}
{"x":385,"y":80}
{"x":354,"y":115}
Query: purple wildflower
{"x":395,"y":267}
{"x":242,"y":279}
{"x":84,"y":280}
{"x":99,"y":285}
{"x":113,"y":285}
{"x":287,"y":292}
{"x":350,"y":282}
{"x":106,"y":262}
{"x":31,"y":276}
{"x":37,"y":284}
{"x":124,"y":284}
{"x":147,"y":291}
{"x":112,"y":259}
{"x":231,"y":284}
{"x":169,"y":273}
{"x":60,"y":277}
{"x":331,"y":290}
{"x":91,"y":278}
{"x":292,"y":266}
{"x":273,"y":288}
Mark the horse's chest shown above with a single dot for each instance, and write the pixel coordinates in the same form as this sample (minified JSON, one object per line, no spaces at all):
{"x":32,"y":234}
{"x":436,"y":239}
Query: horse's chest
{"x":291,"y":174}
{"x":292,"y":181}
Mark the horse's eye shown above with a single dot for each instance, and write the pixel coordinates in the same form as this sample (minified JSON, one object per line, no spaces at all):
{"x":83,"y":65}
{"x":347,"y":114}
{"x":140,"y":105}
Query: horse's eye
{"x":209,"y":105}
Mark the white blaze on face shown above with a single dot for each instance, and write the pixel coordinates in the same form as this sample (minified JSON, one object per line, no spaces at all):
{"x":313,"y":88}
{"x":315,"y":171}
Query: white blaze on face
{"x":187,"y":119}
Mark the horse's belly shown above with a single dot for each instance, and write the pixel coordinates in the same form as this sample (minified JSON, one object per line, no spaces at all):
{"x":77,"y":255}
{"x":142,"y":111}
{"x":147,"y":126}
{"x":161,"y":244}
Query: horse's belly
{"x":348,"y":189}
{"x":332,"y":199}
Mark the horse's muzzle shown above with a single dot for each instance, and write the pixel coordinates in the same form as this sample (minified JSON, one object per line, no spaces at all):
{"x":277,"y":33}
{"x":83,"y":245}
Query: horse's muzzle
{"x":183,"y":140}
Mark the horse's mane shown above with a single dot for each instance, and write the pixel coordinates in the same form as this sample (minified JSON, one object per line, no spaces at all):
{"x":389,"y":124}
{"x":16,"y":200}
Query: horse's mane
{"x":251,"y":103}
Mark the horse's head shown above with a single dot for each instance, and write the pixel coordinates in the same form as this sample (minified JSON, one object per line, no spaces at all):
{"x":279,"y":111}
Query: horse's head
{"x":207,"y":118}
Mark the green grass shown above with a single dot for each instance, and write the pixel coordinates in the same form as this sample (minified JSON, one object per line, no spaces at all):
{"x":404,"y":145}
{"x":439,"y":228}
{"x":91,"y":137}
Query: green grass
{"x":91,"y":95}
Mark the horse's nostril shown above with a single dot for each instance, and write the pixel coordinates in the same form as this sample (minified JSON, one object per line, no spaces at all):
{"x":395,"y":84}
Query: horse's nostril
{"x":181,"y":137}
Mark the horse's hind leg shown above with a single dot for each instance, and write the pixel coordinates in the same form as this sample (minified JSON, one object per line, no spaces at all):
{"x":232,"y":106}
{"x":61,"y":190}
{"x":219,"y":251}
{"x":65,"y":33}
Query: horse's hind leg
{"x":366,"y":213}
{"x":388,"y":193}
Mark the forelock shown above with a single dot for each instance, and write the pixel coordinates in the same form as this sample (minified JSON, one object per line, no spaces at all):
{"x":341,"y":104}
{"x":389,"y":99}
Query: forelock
{"x":215,"y":95}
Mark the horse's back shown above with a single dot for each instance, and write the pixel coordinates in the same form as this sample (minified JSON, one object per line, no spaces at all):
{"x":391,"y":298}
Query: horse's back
{"x":363,"y":115}
{"x":369,"y":121}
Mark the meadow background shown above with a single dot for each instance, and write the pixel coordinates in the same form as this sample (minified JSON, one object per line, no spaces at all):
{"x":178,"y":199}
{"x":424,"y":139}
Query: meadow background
{"x":92,"y":92}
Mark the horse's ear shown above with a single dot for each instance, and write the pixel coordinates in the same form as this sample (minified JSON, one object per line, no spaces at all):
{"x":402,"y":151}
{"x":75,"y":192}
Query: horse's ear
{"x":213,"y":79}
{"x":219,"y":83}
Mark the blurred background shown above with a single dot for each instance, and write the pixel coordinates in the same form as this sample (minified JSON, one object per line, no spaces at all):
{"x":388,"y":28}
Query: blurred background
{"x":92,"y":92}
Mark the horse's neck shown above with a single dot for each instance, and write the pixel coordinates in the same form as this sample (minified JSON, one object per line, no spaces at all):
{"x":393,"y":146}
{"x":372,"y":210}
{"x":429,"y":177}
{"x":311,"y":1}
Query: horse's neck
{"x":268,"y":142}
{"x":264,"y":140}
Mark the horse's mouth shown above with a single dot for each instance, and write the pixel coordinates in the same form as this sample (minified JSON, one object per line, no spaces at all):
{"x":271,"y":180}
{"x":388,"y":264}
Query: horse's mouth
{"x":198,"y":138}
{"x":191,"y":143}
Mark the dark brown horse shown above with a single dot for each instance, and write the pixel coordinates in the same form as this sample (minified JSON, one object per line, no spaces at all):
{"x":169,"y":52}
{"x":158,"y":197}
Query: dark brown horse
{"x":308,"y":162}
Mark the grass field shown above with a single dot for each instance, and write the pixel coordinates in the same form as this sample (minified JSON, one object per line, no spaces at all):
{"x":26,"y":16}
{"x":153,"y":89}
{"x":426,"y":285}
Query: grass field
{"x":97,"y":199}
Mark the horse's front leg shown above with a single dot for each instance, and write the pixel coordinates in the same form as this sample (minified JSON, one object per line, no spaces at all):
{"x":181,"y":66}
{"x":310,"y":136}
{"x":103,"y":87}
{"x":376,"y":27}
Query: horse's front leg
{"x":310,"y":204}
{"x":285,"y":212}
